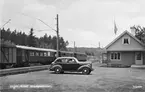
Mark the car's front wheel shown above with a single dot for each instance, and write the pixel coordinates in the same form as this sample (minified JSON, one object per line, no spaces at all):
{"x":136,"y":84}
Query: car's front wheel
{"x":86,"y":71}
{"x":58,"y":70}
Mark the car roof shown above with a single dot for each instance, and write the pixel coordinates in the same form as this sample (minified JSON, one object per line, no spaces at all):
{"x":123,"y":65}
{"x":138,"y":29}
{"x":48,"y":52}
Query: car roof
{"x":66,"y":57}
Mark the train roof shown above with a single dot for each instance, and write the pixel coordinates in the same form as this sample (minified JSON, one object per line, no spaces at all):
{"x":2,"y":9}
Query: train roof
{"x":66,"y":52}
{"x":34,"y":48}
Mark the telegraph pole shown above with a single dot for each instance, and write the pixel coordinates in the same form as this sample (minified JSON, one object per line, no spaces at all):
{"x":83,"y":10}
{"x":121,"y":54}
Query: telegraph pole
{"x":74,"y":47}
{"x":99,"y":44}
{"x":57,"y":32}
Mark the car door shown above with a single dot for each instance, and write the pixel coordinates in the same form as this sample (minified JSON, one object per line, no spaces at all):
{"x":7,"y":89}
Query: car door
{"x":64,"y":64}
{"x":72,"y":65}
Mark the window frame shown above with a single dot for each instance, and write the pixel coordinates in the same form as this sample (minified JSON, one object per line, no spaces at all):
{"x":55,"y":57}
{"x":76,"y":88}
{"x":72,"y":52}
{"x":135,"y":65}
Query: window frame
{"x":63,"y":61}
{"x":124,"y":39}
{"x":31,"y":53}
{"x":48,"y":53}
{"x":115,"y":53}
{"x":45,"y":54}
{"x":36,"y":53}
{"x":41,"y":54}
{"x":74,"y":62}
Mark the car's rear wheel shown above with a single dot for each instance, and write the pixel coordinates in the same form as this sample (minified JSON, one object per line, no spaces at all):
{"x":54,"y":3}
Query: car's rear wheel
{"x":58,"y":70}
{"x":86,"y":71}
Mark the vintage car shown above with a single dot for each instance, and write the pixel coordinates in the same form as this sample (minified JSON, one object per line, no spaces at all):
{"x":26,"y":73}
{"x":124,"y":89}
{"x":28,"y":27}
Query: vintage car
{"x":62,"y":64}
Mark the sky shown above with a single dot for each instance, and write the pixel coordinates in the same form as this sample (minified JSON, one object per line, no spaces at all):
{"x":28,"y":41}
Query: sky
{"x":87,"y":22}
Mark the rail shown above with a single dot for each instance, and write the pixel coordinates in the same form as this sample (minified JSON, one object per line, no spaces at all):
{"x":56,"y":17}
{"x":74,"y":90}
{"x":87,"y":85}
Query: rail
{"x":22,"y":70}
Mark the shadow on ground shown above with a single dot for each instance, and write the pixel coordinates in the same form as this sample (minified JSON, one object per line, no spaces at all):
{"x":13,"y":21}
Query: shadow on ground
{"x":69,"y":73}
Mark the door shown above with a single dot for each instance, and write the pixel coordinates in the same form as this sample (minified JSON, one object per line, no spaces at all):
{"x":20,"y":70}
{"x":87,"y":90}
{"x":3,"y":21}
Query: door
{"x":138,"y":58}
{"x":72,"y":65}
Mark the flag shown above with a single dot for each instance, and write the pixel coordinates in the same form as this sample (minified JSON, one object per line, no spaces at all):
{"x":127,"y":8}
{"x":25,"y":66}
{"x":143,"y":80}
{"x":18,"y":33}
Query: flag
{"x":115,"y":28}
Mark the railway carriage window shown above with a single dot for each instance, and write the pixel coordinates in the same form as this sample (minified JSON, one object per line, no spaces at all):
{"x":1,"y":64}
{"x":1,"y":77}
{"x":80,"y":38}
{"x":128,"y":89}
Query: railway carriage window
{"x":37,"y":53}
{"x":45,"y":54}
{"x":48,"y":53}
{"x":41,"y":53}
{"x":31,"y":53}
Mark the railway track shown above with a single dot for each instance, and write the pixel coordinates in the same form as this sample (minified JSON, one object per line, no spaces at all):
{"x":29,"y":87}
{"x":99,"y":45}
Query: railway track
{"x":5,"y":72}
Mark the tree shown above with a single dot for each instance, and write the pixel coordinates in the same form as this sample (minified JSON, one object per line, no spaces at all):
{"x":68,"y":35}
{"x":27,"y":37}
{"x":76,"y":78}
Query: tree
{"x":62,"y":44}
{"x":31,"y":38}
{"x":140,"y":33}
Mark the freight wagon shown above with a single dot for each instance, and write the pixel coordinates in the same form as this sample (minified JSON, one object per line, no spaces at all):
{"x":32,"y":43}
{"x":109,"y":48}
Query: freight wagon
{"x":7,"y":55}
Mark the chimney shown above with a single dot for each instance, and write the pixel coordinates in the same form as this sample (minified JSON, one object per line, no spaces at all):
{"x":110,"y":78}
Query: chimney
{"x":132,"y":30}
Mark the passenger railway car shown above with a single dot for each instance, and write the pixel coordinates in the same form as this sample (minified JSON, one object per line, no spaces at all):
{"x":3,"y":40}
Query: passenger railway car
{"x":29,"y":55}
{"x":20,"y":56}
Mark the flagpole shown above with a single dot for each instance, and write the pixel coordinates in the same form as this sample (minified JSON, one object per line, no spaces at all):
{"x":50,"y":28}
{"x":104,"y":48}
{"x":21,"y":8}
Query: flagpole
{"x":115,"y":28}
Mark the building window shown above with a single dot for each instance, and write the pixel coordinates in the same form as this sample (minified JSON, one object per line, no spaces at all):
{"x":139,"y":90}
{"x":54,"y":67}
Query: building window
{"x":115,"y":56}
{"x":126,"y":40}
{"x":31,"y":53}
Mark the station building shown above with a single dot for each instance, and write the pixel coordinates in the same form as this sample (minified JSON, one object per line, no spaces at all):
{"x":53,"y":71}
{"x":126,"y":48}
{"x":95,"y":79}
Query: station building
{"x":126,"y":50}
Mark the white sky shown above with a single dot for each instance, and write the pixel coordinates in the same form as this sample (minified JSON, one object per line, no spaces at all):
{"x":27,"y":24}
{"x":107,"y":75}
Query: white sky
{"x":84,"y":21}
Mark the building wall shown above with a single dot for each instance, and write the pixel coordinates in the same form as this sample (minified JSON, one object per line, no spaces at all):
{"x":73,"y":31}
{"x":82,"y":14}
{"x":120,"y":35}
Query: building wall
{"x":127,"y":58}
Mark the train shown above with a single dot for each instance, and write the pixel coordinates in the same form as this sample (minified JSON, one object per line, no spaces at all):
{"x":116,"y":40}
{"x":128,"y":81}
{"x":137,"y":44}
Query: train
{"x":23,"y":56}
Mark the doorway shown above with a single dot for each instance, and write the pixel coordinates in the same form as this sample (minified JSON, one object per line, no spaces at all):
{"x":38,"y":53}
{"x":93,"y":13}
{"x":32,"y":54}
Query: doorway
{"x":138,"y":58}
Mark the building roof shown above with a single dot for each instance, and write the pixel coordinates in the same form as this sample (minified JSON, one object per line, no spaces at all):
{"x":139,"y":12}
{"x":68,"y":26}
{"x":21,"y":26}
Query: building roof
{"x":125,"y":32}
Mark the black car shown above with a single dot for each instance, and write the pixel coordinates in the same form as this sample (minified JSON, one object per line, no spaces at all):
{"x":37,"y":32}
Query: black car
{"x":62,"y":64}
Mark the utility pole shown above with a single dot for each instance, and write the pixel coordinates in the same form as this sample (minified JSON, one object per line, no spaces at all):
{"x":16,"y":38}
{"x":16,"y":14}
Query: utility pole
{"x":99,"y":44}
{"x":74,"y":47}
{"x":57,"y":32}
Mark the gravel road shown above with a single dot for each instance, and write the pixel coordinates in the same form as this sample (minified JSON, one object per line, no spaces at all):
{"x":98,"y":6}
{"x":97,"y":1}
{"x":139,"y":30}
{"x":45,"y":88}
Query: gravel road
{"x":102,"y":79}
